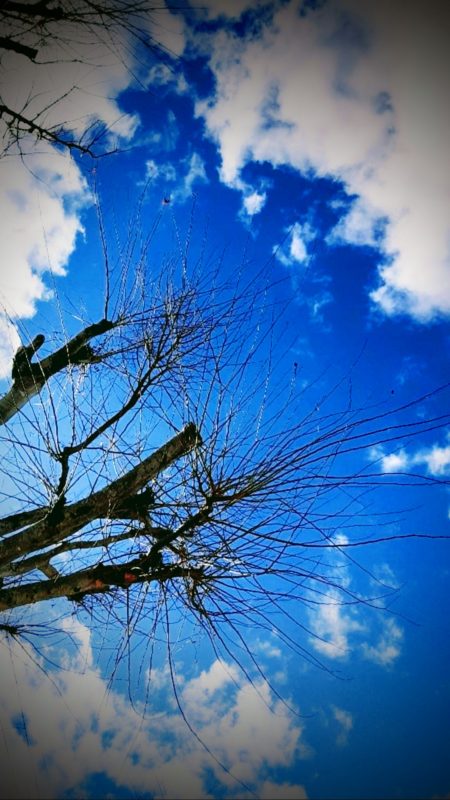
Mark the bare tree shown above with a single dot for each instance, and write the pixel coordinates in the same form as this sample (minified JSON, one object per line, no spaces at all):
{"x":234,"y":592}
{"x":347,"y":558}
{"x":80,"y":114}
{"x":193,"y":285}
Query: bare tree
{"x":159,"y":458}
{"x":36,"y":36}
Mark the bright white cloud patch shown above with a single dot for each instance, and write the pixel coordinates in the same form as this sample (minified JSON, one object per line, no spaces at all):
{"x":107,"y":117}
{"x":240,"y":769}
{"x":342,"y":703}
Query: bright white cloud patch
{"x":341,"y":629}
{"x":9,"y":342}
{"x":167,"y":29}
{"x":391,"y":462}
{"x":293,"y":250}
{"x":39,"y":222}
{"x":77,"y":84}
{"x":268,"y":649}
{"x":435,"y":459}
{"x":359,"y":93}
{"x":40,"y":202}
{"x":88,"y":728}
{"x":333,"y":625}
{"x":254,"y":202}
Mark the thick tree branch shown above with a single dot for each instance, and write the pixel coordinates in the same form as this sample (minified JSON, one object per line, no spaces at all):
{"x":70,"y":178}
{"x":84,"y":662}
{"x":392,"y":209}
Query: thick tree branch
{"x":24,"y":9}
{"x":101,"y":504}
{"x":22,"y":519}
{"x":10,"y":44}
{"x":41,"y":561}
{"x":29,"y":378}
{"x":101,"y":578}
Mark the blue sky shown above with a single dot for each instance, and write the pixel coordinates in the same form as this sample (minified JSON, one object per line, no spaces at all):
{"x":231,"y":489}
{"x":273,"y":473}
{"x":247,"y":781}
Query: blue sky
{"x":307,"y":141}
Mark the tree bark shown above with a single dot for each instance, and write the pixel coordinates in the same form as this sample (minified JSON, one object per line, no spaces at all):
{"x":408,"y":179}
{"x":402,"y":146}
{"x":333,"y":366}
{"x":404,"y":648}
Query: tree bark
{"x":99,"y":579}
{"x":29,"y":378}
{"x":99,"y":505}
{"x":6,"y":43}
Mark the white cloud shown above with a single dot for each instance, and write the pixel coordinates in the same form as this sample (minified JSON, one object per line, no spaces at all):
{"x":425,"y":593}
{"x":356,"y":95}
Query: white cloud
{"x":341,"y":629}
{"x":359,"y":226}
{"x":359,"y":93}
{"x":77,"y":83}
{"x":345,"y":720}
{"x":383,"y":573}
{"x":394,"y":462}
{"x":162,"y":75}
{"x":435,"y":458}
{"x":281,"y":791}
{"x":9,"y":342}
{"x":87,"y":727}
{"x":152,"y":170}
{"x":388,"y":647}
{"x":293,"y":250}
{"x":332,"y":624}
{"x":165,"y":171}
{"x":194,"y":171}
{"x":40,"y":201}
{"x":268,"y":649}
{"x":252,"y":734}
{"x":167,"y":29}
{"x":196,"y":174}
{"x":254,"y":202}
{"x":200,"y":691}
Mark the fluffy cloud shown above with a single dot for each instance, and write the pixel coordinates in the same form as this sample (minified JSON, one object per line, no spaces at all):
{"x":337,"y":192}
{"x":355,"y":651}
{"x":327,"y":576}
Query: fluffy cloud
{"x":9,"y":342}
{"x":166,"y":29}
{"x":332,"y":625}
{"x":333,"y":621}
{"x":75,"y":86}
{"x":358,"y":93}
{"x":435,"y":459}
{"x":254,"y":202}
{"x":40,"y":202}
{"x":39,"y":222}
{"x":392,"y":462}
{"x":341,"y":629}
{"x":293,"y":250}
{"x":75,"y":726}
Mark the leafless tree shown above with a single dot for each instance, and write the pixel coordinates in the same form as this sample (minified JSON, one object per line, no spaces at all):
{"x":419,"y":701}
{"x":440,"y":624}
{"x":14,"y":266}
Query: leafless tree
{"x":160,"y":459}
{"x":36,"y":36}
